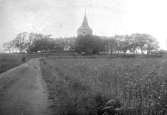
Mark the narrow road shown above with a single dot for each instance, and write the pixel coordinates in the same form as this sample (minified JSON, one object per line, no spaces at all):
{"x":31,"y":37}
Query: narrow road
{"x":28,"y":95}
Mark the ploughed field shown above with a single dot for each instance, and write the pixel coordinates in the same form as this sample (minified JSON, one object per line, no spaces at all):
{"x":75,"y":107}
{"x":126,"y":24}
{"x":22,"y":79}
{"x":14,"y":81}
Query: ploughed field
{"x":81,"y":86}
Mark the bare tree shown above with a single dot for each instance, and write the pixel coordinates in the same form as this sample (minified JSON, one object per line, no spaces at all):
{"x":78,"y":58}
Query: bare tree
{"x":20,"y":42}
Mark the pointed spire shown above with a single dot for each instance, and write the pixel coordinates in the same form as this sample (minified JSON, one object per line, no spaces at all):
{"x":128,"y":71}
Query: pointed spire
{"x":84,"y":29}
{"x":85,"y":21}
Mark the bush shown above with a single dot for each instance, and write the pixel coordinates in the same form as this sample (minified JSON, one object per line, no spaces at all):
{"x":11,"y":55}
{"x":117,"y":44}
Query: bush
{"x":88,"y":45}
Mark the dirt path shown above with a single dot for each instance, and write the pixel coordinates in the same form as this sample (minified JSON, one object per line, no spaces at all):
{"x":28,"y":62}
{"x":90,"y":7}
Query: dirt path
{"x":28,"y":95}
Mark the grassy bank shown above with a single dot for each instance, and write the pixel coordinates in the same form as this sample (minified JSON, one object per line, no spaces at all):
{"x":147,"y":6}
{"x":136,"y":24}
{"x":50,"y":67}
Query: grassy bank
{"x":8,"y":61}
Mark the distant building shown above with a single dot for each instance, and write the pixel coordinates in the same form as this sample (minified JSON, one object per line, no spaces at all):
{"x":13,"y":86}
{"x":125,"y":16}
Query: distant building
{"x":84,"y":29}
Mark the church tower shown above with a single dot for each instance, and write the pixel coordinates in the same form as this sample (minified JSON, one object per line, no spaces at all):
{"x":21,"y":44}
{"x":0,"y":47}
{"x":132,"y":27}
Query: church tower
{"x":84,"y":29}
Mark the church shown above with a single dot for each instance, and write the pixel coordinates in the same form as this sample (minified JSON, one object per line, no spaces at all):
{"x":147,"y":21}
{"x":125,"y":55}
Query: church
{"x":84,"y":29}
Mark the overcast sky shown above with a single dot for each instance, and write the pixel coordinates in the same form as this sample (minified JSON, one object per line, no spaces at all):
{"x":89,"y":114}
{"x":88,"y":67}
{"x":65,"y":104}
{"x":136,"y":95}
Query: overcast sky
{"x":61,"y":18}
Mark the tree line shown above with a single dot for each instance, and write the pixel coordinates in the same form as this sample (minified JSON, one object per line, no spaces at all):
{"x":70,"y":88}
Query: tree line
{"x":135,"y":43}
{"x":33,"y":43}
{"x":90,"y":44}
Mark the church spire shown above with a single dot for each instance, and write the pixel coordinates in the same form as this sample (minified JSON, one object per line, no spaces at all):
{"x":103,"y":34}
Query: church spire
{"x":84,"y":29}
{"x":85,"y":21}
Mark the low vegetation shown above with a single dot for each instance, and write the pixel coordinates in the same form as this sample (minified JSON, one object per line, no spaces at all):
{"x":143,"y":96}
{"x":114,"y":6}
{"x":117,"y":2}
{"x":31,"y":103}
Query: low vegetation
{"x":82,"y":86}
{"x":8,"y":61}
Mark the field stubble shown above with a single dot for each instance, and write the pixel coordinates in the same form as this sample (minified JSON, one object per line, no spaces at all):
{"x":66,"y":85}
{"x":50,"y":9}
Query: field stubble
{"x":82,"y":86}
